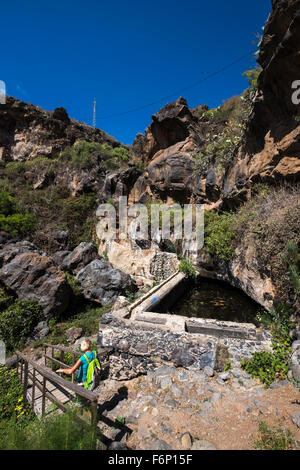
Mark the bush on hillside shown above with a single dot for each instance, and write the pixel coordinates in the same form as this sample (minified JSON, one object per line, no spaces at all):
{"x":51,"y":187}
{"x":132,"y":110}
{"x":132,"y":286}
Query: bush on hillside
{"x":11,"y":220}
{"x":17,"y":322}
{"x":186,"y":267}
{"x":219,"y":234}
{"x":86,"y":155}
{"x":11,"y":398}
{"x":55,"y":432}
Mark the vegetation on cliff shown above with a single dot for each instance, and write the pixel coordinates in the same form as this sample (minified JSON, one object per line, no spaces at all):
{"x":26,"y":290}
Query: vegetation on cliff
{"x":43,"y":190}
{"x":12,"y":219}
{"x":271,"y":366}
{"x":17,"y":320}
{"x":269,"y":223}
{"x":20,"y":429}
{"x":225,"y":127}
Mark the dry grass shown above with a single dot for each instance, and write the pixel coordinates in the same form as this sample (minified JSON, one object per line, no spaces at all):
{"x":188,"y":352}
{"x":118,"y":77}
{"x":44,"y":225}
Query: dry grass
{"x":269,"y":221}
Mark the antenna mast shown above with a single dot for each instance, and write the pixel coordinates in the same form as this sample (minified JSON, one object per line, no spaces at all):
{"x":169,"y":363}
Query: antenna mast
{"x":94,"y":114}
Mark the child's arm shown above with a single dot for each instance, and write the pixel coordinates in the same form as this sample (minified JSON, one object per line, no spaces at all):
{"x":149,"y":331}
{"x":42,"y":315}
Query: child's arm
{"x":70,"y":371}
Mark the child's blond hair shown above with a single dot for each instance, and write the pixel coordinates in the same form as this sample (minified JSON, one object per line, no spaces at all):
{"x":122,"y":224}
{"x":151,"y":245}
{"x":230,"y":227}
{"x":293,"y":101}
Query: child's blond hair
{"x":85,"y":345}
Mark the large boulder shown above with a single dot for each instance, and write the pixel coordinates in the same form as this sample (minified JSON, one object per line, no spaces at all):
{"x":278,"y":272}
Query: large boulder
{"x":77,"y":259}
{"x":167,"y":148}
{"x":102,"y":283}
{"x":172,"y":124}
{"x":32,"y":275}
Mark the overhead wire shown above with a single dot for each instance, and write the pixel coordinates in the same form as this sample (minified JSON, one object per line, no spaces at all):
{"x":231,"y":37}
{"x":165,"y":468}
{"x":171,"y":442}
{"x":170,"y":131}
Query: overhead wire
{"x":180,"y":91}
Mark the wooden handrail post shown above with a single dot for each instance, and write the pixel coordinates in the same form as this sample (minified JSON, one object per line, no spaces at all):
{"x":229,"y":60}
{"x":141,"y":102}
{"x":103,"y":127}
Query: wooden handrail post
{"x":33,"y":389}
{"x":44,"y":396}
{"x":21,"y":373}
{"x":73,"y":362}
{"x":94,"y":413}
{"x":25,"y":386}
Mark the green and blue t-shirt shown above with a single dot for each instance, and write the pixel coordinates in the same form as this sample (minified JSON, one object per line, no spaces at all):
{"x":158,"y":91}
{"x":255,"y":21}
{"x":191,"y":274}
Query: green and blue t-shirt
{"x":84,"y":366}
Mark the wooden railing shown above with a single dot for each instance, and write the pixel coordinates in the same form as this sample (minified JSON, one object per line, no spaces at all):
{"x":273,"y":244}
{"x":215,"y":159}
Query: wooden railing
{"x":63,"y":350}
{"x":68,"y":388}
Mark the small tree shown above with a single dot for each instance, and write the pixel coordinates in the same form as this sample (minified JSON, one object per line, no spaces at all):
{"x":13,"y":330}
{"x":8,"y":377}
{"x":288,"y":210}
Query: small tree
{"x":186,"y":267}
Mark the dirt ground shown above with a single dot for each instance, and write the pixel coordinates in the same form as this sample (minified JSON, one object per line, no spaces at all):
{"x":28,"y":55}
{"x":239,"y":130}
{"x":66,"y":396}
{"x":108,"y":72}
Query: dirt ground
{"x":226,"y":415}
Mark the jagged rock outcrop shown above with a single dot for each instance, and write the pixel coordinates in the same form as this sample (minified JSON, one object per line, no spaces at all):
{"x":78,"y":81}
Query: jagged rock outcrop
{"x":170,"y":142}
{"x":31,"y":275}
{"x":28,"y":131}
{"x":270,"y":152}
{"x":145,"y":264}
{"x":77,"y":259}
{"x":172,"y":124}
{"x":102,"y":283}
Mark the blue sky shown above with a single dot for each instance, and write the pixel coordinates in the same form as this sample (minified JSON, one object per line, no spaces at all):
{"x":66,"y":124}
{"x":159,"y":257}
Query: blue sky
{"x":126,"y":54}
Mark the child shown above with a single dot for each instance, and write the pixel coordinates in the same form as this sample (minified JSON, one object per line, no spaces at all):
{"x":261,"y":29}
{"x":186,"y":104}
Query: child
{"x":82,"y":363}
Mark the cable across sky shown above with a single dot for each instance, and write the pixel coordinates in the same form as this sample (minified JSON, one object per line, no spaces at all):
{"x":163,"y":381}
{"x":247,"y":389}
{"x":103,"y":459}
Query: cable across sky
{"x":180,"y":91}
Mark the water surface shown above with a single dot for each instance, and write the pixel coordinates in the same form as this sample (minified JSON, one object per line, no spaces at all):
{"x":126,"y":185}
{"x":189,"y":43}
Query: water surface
{"x":217,"y":300}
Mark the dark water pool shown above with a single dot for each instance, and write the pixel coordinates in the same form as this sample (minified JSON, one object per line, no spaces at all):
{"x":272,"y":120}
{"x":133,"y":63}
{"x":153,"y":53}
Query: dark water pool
{"x":217,"y":300}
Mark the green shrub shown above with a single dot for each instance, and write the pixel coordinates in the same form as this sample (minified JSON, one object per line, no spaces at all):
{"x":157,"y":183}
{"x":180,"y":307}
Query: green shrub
{"x":271,"y":366}
{"x":291,"y":260}
{"x":5,"y":299}
{"x":10,"y":220}
{"x":15,"y":169}
{"x":11,"y":397}
{"x":86,"y":155}
{"x":220,"y":151}
{"x":18,"y":321}
{"x":83,"y":155}
{"x":74,"y":284}
{"x":120,"y":421}
{"x":7,"y":203}
{"x":252,"y":76}
{"x":219,"y":234}
{"x":225,"y":128}
{"x":55,"y":432}
{"x":87,"y":319}
{"x":18,"y":224}
{"x":186,"y":267}
{"x":274,"y":438}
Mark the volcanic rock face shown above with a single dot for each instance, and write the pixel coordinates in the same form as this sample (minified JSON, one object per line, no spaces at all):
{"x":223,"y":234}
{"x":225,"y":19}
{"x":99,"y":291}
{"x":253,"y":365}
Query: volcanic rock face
{"x":171,"y":140}
{"x":102,"y":283}
{"x":269,"y":150}
{"x":33,"y":276}
{"x":30,"y":274}
{"x":98,"y":279}
{"x":172,"y":124}
{"x":77,"y":259}
{"x":28,"y":132}
{"x":272,"y":143}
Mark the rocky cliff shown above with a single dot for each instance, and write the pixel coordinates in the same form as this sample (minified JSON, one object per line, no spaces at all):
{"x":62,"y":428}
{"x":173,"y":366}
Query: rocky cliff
{"x":28,"y":131}
{"x":59,"y":170}
{"x":270,"y":151}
